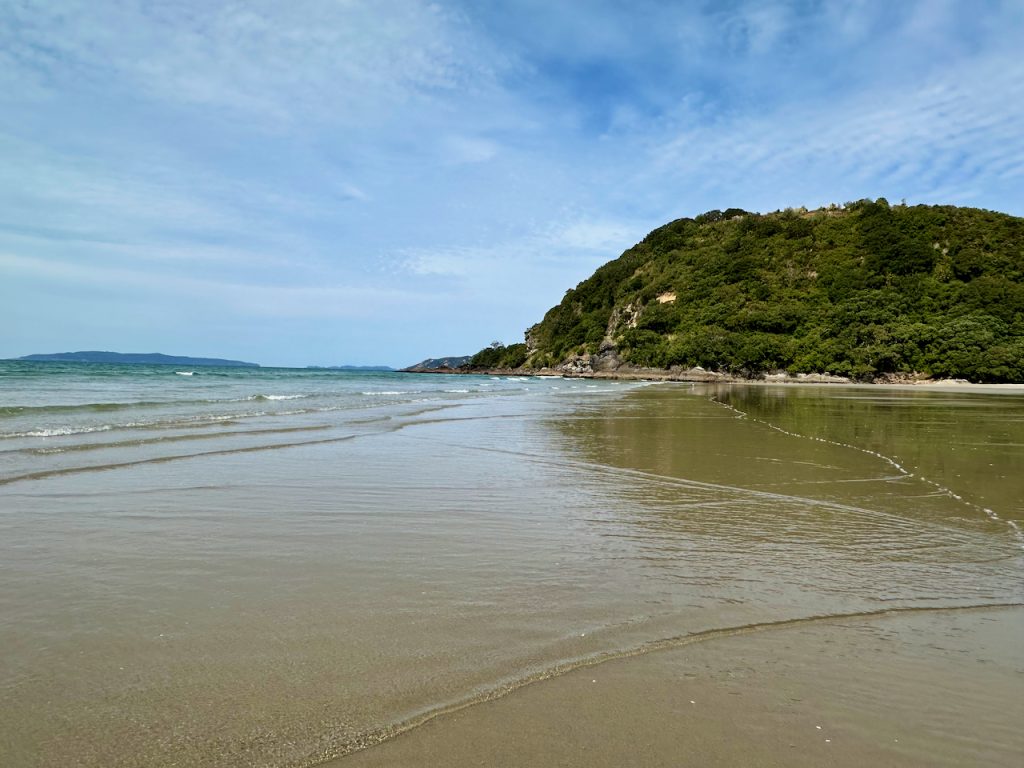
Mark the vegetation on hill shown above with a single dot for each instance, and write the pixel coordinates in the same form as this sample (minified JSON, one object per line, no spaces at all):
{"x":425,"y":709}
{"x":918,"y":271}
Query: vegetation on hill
{"x":451,"y":362}
{"x":863,"y":290}
{"x":497,"y":355}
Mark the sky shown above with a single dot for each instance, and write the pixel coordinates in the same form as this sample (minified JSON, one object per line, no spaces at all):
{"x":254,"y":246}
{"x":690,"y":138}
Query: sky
{"x":326,"y":182}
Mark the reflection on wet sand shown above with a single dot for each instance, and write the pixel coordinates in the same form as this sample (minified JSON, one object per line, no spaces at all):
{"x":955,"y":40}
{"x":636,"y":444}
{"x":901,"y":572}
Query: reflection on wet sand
{"x":785,"y":502}
{"x":282,"y":606}
{"x":712,"y":494}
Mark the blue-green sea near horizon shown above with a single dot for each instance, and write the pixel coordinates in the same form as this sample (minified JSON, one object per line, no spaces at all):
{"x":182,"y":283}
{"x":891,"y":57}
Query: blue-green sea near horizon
{"x":277,"y":567}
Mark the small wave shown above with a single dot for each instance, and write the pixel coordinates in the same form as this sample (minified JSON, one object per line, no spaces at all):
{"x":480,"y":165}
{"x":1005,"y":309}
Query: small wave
{"x":185,"y":373}
{"x":392,"y":392}
{"x":59,"y":431}
{"x":200,"y":420}
{"x":25,"y":410}
{"x":503,"y":687}
{"x":457,"y":391}
{"x":73,"y":408}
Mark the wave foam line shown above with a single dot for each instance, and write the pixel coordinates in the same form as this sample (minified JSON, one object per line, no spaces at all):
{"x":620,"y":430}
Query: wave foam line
{"x":184,"y":422}
{"x":508,"y":686}
{"x":156,"y":440}
{"x":47,"y":473}
{"x":104,"y":407}
{"x":941,"y":489}
{"x":44,"y":474}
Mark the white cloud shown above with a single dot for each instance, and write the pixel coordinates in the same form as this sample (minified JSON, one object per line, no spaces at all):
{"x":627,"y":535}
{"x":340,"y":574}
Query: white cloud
{"x":454,"y":262}
{"x":249,"y":299}
{"x":605,"y":236}
{"x":952,"y":133}
{"x":468,"y":149}
{"x":337,"y":61}
{"x":329,"y":158}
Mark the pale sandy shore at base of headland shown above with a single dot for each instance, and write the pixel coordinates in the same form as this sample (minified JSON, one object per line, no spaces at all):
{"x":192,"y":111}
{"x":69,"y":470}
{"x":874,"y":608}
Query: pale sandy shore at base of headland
{"x":697,"y":376}
{"x":907,"y":689}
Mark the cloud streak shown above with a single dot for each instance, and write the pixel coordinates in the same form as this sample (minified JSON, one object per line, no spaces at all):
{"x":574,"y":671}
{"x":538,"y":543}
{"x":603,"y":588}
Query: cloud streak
{"x":417,"y":177}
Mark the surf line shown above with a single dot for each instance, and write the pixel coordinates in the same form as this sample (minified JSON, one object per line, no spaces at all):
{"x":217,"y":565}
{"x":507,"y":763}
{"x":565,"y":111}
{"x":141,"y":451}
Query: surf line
{"x":58,"y":472}
{"x":385,"y":733}
{"x":47,"y":473}
{"x":1017,"y":533}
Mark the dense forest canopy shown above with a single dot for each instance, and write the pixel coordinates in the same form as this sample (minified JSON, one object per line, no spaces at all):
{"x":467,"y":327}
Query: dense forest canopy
{"x":860,"y":290}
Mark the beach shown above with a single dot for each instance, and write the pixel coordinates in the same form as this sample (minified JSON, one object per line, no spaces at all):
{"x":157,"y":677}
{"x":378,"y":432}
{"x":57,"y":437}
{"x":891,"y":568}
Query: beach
{"x":822,"y":692}
{"x":283,"y":568}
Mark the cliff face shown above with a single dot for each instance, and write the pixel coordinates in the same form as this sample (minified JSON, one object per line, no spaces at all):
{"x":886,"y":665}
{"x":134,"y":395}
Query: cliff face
{"x":868,"y":291}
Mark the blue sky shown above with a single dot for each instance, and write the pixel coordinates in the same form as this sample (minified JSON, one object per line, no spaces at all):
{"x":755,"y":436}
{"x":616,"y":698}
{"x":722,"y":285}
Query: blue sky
{"x":339,"y":181}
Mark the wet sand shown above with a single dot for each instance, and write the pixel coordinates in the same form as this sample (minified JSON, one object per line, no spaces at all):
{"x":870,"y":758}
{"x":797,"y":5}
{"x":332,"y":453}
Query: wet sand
{"x":918,"y":688}
{"x":279,"y":589}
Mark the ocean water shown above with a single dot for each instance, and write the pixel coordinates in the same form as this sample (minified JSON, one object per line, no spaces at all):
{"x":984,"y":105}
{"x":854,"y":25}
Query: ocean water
{"x":277,"y":567}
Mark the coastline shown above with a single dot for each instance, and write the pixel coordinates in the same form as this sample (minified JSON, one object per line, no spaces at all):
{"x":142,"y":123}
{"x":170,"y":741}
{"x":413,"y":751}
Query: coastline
{"x":331,"y":569}
{"x":702,"y":376}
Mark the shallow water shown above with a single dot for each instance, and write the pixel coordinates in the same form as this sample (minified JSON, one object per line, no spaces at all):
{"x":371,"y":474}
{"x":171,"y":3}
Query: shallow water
{"x":274,"y":568}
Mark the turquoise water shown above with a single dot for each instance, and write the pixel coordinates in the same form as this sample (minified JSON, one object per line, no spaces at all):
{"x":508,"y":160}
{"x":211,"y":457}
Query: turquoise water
{"x":68,"y":417}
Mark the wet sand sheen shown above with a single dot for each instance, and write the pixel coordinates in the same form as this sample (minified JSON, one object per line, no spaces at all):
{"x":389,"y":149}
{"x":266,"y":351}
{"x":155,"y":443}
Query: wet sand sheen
{"x":928,"y":688}
{"x":279,"y":607}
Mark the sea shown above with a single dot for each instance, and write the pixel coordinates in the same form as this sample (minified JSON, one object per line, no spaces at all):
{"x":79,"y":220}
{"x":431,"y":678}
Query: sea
{"x":280,"y":567}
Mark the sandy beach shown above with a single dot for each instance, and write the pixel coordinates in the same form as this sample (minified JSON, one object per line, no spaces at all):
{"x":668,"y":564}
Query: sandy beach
{"x":279,"y":568}
{"x":830,"y":692}
{"x":701,"y":376}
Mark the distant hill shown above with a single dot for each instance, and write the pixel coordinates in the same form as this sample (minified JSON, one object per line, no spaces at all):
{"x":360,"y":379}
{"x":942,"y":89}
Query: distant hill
{"x":149,"y":358}
{"x":440,"y":363}
{"x":865,"y":290}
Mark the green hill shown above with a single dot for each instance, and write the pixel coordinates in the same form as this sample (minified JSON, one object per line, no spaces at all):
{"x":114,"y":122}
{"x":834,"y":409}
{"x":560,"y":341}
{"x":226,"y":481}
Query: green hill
{"x":866,"y":290}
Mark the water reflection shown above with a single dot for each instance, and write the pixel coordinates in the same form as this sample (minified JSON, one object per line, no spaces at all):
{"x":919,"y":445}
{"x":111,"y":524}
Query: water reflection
{"x":801,"y":493}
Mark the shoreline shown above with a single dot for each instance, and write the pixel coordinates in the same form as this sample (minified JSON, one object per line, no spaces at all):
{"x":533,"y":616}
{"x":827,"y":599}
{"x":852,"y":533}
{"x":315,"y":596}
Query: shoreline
{"x":701,"y":376}
{"x":774,"y":698}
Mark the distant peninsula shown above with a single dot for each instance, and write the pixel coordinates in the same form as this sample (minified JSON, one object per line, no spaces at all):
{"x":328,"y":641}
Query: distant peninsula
{"x":135,"y":358}
{"x":448,"y":364}
{"x":864,"y":291}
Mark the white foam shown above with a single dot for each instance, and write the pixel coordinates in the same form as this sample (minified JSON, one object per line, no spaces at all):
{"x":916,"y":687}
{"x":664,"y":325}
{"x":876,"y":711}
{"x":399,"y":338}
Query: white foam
{"x":59,"y":431}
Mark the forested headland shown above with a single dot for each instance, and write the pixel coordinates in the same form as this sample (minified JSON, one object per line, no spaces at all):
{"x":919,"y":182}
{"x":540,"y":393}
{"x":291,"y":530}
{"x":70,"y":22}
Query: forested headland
{"x":865,"y":290}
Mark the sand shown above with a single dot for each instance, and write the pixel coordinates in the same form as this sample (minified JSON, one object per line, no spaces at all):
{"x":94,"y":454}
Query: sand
{"x":881,"y":691}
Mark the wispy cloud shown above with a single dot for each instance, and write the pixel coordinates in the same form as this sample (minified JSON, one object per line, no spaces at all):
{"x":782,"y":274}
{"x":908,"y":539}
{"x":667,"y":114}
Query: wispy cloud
{"x":409,"y":172}
{"x":961,"y":130}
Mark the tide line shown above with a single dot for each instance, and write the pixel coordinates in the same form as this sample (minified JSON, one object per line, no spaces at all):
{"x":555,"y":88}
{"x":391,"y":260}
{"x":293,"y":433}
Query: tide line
{"x":1015,"y":529}
{"x":504,"y":688}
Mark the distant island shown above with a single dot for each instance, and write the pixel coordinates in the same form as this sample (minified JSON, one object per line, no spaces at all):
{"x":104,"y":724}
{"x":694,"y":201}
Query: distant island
{"x":136,"y":358}
{"x":864,"y":291}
